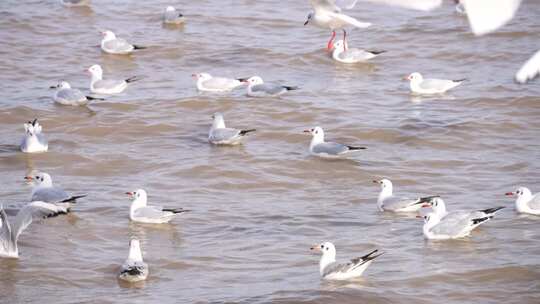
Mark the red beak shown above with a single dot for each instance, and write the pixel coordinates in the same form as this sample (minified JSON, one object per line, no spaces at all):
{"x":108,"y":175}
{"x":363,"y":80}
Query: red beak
{"x":426,"y":205}
{"x":418,"y":216}
{"x":307,"y":131}
{"x":28,"y":178}
{"x":509,"y":193}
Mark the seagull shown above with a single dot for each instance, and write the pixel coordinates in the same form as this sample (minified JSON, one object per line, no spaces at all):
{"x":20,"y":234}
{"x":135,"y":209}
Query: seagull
{"x":257,"y":88}
{"x":327,"y":14}
{"x":11,"y":229}
{"x":388,"y":202}
{"x":221,"y":135}
{"x":65,"y":95}
{"x":140,"y":212}
{"x":346,"y":55}
{"x":34,"y":141}
{"x":422,"y":86}
{"x":43,"y":190}
{"x":112,"y":45}
{"x":134,"y":268}
{"x":207,"y":83}
{"x":526,"y":202}
{"x":484,"y":16}
{"x":172,"y":16}
{"x":75,"y":2}
{"x":436,"y":228}
{"x":107,"y":86}
{"x":529,"y":70}
{"x":331,"y":270}
{"x":319,"y":147}
{"x":439,"y":208}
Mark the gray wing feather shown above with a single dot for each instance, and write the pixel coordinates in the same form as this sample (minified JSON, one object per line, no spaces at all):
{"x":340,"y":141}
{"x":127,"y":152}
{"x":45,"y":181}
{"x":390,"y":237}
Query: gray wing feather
{"x":70,"y":96}
{"x":535,"y":202}
{"x":107,"y":83}
{"x":50,"y":195}
{"x":439,"y":84}
{"x":118,"y":45}
{"x":224,"y":134}
{"x":150,"y":212}
{"x":451,"y":226}
{"x":221,"y":83}
{"x":394,"y":203}
{"x":330,"y":148}
{"x":269,"y":89}
{"x":355,"y":54}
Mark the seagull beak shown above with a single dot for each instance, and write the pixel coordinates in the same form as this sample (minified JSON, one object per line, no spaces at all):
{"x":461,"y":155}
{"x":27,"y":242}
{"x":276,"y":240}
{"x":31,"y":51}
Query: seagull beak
{"x":130,"y":194}
{"x":307,"y":131}
{"x":315,"y":248}
{"x":426,"y":205}
{"x":405,"y":78}
{"x":376,"y":182}
{"x":305,"y":23}
{"x":53,"y":87}
{"x":509,"y":193}
{"x":419,"y":216}
{"x":28,"y":178}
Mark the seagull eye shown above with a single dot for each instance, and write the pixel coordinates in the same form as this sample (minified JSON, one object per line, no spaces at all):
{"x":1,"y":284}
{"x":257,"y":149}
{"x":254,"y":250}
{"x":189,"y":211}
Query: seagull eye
{"x":37,"y":177}
{"x":322,"y":246}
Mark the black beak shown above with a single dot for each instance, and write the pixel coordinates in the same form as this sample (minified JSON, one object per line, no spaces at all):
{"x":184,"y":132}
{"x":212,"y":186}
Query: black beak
{"x":53,"y":87}
{"x":305,"y":23}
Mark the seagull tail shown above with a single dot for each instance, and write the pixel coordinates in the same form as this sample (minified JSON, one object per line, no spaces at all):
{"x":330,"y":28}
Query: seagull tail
{"x":94,"y":98}
{"x":288,"y":88}
{"x":73,"y":199}
{"x":133,"y":79}
{"x":356,"y":148}
{"x":244,"y":132}
{"x":491,"y":211}
{"x":176,"y":210}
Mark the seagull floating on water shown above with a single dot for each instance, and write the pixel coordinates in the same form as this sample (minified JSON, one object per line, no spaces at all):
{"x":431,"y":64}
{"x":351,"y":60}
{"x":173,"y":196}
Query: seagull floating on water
{"x":439,"y":208}
{"x":34,"y":140}
{"x":319,"y":147}
{"x":207,"y":83}
{"x":134,"y":268}
{"x":65,"y":95}
{"x":331,"y":270}
{"x":388,"y":202}
{"x":453,"y":227}
{"x":112,"y":45}
{"x":422,"y":86}
{"x":327,"y":14}
{"x":99,"y":85}
{"x":140,"y":212}
{"x":344,"y":54}
{"x":526,"y":202}
{"x":257,"y":88}
{"x":221,"y":135}
{"x":43,"y":190}
{"x":172,"y":16}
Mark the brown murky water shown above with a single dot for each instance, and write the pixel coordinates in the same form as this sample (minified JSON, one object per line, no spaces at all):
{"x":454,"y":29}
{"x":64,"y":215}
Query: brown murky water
{"x":257,"y":208}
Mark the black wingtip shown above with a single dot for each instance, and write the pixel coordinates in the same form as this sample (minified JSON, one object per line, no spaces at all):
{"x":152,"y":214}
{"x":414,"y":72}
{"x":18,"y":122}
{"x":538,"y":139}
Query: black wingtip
{"x":356,"y":148}
{"x":244,"y":132}
{"x":94,"y":98}
{"x":492,"y":210}
{"x":460,"y":80}
{"x":33,"y":122}
{"x":139,"y":47}
{"x":176,"y":210}
{"x":73,"y":199}
{"x":481,"y":220}
{"x":372,"y":255}
{"x":243,"y":79}
{"x":133,"y":79}
{"x":427,"y":199}
{"x":288,"y":88}
{"x":377,"y":52}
